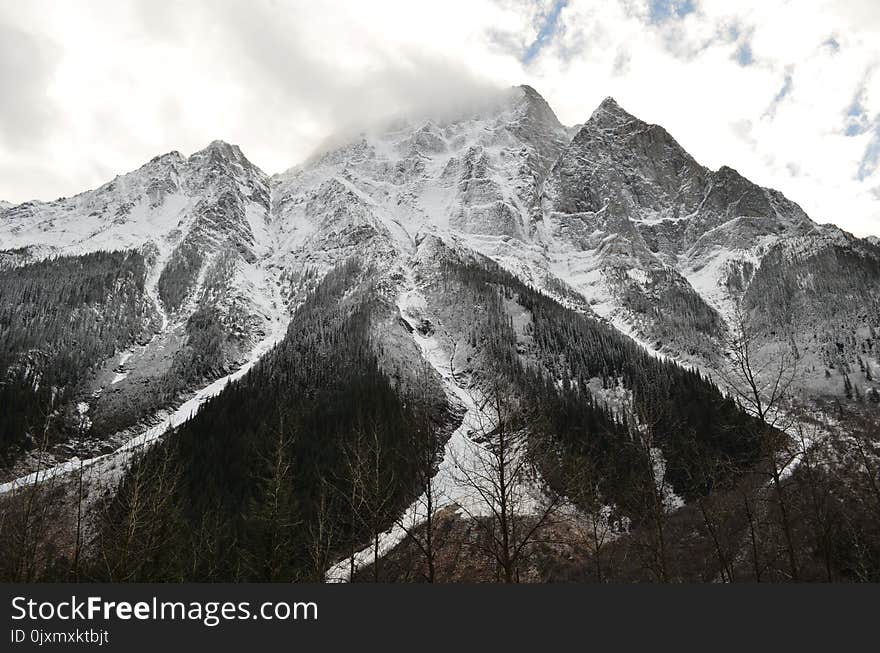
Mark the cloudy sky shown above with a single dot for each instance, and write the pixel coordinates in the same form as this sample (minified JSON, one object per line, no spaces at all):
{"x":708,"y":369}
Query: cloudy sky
{"x":787,"y":92}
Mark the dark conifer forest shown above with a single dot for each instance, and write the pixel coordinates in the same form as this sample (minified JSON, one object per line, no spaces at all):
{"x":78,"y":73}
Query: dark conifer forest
{"x":58,"y":318}
{"x":702,"y":434}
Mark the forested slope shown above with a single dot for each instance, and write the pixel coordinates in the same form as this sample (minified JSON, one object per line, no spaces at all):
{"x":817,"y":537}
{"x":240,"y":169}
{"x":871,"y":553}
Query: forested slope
{"x":568,"y":366}
{"x":308,"y":454}
{"x":59,"y":318}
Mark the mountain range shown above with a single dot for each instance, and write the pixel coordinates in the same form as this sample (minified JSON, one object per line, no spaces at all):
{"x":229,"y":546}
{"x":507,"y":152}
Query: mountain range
{"x":418,"y":291}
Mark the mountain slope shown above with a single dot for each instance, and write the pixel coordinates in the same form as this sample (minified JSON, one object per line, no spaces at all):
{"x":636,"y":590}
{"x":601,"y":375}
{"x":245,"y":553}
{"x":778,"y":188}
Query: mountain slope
{"x":670,"y":249}
{"x":206,"y":292}
{"x":328,"y":401}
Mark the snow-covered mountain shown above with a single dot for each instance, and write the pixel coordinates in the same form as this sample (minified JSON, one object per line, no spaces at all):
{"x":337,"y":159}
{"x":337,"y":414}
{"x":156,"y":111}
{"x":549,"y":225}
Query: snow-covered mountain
{"x":613,"y":218}
{"x":618,"y":212}
{"x":172,"y":208}
{"x":201,"y":226}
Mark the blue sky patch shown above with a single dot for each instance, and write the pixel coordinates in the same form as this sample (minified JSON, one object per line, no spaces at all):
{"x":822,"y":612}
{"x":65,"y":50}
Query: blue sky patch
{"x":662,"y":10}
{"x":857,"y":122}
{"x":548,"y":29}
{"x":832,"y":44}
{"x":743,"y":55}
{"x":785,"y":90}
{"x":787,"y":85}
{"x":872,"y":155}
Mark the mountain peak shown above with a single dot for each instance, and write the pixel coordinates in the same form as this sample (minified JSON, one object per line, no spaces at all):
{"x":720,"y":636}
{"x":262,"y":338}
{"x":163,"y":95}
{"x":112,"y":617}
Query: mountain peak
{"x":221,"y":148}
{"x":530,"y":92}
{"x":536,"y":123}
{"x":535,"y":107}
{"x":727,"y":171}
{"x":609,"y":111}
{"x":218,"y":151}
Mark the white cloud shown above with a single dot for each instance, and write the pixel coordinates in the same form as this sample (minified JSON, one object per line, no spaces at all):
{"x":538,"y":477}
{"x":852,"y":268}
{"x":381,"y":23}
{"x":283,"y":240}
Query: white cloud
{"x":102,"y":87}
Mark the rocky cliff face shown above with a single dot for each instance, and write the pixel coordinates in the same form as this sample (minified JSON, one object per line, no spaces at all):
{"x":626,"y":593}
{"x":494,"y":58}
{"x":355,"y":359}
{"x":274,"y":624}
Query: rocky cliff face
{"x":670,"y":249}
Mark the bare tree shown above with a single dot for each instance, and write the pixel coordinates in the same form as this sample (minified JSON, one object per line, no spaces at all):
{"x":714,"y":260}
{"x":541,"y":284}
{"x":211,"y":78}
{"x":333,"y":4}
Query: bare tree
{"x":26,"y":523}
{"x":323,"y":534}
{"x":78,"y":543}
{"x":593,"y":523}
{"x":712,"y":522}
{"x":379,"y":494}
{"x":818,"y":490}
{"x":273,"y":514}
{"x":654,"y":491}
{"x":138,"y":520}
{"x":82,"y":427}
{"x":350,"y":488}
{"x":500,"y":478}
{"x":719,"y":509}
{"x":370,"y":492}
{"x":205,"y":546}
{"x":748,"y":505}
{"x":761,"y":384}
{"x":864,"y":445}
{"x":419,"y":523}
